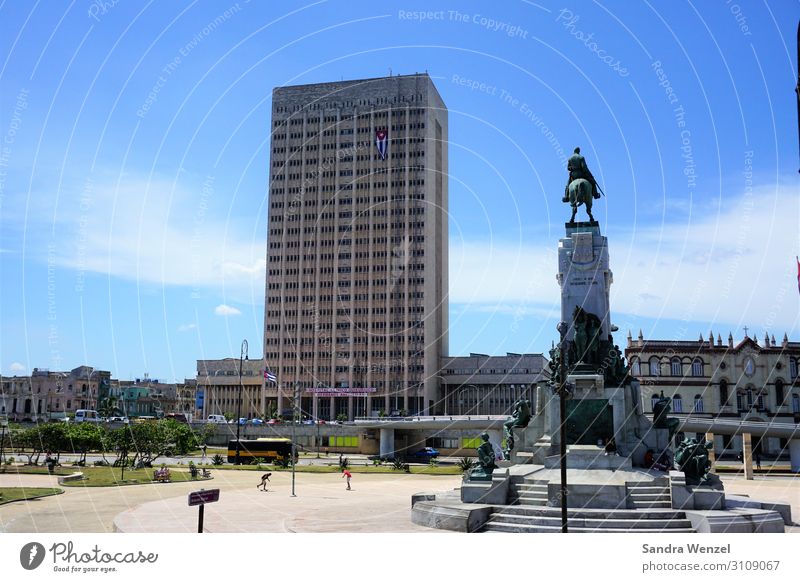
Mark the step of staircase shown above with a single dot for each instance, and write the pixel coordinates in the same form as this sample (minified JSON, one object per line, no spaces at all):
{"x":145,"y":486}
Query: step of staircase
{"x":655,"y":494}
{"x":529,"y":493}
{"x":504,"y":528}
{"x":519,"y":519}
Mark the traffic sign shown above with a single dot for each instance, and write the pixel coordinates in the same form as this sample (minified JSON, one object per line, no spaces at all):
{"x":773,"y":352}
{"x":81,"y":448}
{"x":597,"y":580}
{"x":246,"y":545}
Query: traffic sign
{"x":203,"y":496}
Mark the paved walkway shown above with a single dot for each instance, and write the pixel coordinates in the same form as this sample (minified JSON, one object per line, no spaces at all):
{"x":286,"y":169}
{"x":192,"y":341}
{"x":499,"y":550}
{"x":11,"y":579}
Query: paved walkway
{"x":377,"y":503}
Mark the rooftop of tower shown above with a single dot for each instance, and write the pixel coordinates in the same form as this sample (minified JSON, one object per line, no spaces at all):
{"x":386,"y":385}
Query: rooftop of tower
{"x":336,"y":86}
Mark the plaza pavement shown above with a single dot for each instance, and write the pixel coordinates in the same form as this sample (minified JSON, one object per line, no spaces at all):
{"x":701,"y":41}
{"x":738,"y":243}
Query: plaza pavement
{"x":377,"y":503}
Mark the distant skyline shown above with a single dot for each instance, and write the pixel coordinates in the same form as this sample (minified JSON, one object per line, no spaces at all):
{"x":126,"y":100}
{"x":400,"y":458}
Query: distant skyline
{"x":134,"y":160}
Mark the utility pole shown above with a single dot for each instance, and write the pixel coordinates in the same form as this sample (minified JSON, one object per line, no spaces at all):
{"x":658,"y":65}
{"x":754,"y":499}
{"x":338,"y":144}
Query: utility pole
{"x":242,"y":356}
{"x":294,"y":425}
{"x":562,"y":429}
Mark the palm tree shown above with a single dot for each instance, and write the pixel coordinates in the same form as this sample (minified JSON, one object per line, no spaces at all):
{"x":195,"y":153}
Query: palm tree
{"x":109,"y":407}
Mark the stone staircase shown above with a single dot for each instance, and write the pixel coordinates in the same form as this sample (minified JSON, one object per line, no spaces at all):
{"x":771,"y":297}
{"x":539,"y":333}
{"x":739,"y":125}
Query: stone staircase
{"x":651,"y":495}
{"x":528,"y":492}
{"x":526,"y":519}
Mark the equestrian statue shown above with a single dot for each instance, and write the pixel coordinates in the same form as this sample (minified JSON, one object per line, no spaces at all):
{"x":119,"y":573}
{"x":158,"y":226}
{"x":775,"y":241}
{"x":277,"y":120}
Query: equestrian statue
{"x":581,"y":186}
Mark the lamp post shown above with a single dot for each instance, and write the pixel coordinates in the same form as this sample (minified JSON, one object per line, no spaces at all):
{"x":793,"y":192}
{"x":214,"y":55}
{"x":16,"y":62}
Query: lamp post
{"x":562,"y":429}
{"x":294,"y":423}
{"x":242,"y":356}
{"x":89,"y":386}
{"x":319,"y":440}
{"x":3,"y":425}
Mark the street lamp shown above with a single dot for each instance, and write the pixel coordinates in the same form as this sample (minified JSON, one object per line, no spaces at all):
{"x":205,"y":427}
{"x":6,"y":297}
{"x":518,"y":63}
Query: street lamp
{"x":319,"y":440}
{"x":294,"y":423}
{"x":89,"y":385}
{"x":3,"y":425}
{"x":562,"y":407}
{"x":242,"y":355}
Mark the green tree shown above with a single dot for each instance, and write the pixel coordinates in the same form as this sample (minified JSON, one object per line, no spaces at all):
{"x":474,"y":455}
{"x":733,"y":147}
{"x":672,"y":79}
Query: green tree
{"x":84,"y":437}
{"x":52,"y":437}
{"x":27,"y":442}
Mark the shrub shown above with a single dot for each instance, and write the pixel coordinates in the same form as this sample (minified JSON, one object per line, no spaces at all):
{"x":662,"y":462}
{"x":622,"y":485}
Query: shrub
{"x":217,"y":460}
{"x":465,"y":464}
{"x":101,"y":463}
{"x":399,"y":465}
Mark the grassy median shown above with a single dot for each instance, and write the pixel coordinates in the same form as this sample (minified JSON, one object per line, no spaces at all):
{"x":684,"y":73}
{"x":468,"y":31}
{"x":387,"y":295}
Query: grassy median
{"x":10,"y":494}
{"x":112,"y":477}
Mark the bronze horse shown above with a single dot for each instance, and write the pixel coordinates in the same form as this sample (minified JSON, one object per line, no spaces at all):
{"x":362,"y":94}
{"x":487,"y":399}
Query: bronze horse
{"x":580,"y":192}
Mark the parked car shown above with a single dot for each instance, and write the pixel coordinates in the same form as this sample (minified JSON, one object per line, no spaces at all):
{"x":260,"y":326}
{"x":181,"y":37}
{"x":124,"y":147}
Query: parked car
{"x":217,"y":418}
{"x":256,"y":421}
{"x":425,"y":454}
{"x":122,"y":419}
{"x":84,"y":415}
{"x":243,"y":420}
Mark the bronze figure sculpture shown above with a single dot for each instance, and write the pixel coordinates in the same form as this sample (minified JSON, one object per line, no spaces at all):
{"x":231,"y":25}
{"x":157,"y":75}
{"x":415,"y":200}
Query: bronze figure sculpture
{"x":520,"y":417}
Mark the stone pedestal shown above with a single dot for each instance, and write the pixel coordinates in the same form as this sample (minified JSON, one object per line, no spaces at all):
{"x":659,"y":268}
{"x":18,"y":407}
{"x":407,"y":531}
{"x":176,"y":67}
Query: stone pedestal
{"x":588,"y":457}
{"x":706,"y":496}
{"x":584,"y":274}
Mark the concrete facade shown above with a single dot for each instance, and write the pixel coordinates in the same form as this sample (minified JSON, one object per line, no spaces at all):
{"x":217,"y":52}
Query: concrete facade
{"x":480,"y":384}
{"x":356,"y":281}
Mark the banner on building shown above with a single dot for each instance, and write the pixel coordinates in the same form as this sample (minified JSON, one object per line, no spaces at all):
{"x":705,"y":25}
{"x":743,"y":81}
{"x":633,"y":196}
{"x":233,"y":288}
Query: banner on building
{"x":330,"y":391}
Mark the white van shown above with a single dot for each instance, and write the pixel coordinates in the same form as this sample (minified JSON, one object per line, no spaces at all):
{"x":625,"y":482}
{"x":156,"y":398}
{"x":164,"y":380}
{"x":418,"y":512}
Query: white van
{"x":217,"y":418}
{"x":83,"y":415}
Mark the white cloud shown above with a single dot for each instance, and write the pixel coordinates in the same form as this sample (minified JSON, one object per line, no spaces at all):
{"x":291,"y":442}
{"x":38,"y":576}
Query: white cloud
{"x":16,"y":367}
{"x":735,"y":266}
{"x":226,"y":310}
{"x":159,"y":232}
{"x":187,"y":327}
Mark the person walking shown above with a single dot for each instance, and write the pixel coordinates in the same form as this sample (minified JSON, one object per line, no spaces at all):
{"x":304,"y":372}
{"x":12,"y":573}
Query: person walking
{"x":347,"y":475}
{"x":758,"y":459}
{"x":203,"y":448}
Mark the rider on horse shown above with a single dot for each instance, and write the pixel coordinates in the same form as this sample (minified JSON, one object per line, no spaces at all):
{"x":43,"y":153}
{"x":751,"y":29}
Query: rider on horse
{"x":576,"y":165}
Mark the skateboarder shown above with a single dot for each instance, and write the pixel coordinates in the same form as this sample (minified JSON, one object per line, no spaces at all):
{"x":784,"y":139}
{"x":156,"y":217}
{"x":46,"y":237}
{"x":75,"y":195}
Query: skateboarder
{"x":264,"y":479}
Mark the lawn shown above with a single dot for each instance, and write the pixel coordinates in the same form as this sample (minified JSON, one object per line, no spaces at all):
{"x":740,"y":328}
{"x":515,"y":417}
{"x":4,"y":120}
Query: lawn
{"x":9,"y":494}
{"x":112,"y":476}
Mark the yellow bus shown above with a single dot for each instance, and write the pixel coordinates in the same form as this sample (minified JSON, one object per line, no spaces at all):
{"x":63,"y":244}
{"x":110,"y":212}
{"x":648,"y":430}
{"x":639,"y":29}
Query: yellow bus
{"x":263,"y":450}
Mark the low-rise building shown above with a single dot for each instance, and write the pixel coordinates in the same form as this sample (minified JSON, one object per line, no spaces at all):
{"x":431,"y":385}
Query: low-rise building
{"x":218,"y":382}
{"x":480,"y":384}
{"x":46,"y":395}
{"x":747,"y":380}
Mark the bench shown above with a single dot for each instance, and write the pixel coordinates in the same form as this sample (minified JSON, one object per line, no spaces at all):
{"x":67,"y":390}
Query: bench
{"x":161,"y":476}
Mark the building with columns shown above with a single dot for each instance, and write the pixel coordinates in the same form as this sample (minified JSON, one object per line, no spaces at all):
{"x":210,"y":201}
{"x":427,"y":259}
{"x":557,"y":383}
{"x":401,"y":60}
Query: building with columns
{"x":480,"y":384}
{"x":744,"y":380}
{"x":357,"y":278}
{"x":218,"y":382}
{"x":46,"y":395}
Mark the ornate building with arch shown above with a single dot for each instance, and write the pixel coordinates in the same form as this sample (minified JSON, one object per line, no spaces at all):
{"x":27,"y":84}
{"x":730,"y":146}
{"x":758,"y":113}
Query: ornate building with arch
{"x":749,"y":380}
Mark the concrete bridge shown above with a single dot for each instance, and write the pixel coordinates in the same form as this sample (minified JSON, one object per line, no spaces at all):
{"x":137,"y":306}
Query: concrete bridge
{"x":690,"y":424}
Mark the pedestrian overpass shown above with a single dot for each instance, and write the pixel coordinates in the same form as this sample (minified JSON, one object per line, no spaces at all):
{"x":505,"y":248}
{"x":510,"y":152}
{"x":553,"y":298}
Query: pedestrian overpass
{"x":710,"y":426}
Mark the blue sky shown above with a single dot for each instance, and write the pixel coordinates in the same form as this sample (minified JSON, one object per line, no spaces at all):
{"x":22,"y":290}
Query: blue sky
{"x":134,"y":165}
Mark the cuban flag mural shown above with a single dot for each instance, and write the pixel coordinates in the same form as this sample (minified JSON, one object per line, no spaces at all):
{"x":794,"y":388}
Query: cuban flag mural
{"x":382,"y":142}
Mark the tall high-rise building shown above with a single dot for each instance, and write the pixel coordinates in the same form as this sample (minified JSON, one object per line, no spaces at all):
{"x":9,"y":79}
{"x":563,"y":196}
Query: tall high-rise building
{"x":356,"y":287}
